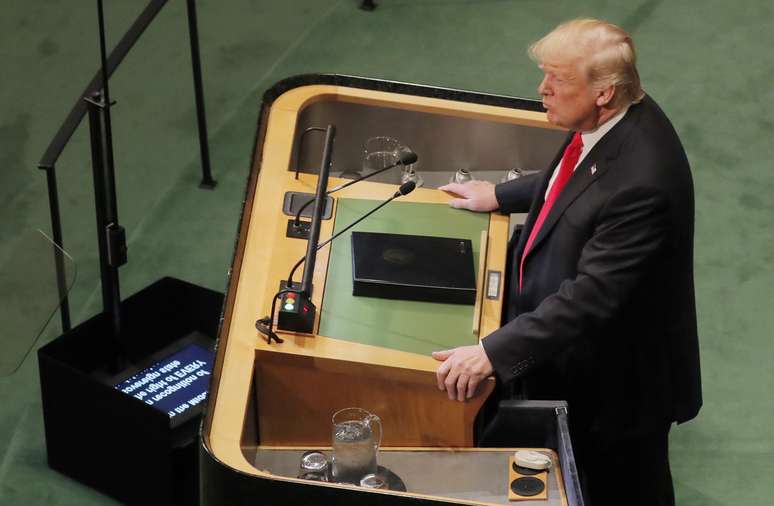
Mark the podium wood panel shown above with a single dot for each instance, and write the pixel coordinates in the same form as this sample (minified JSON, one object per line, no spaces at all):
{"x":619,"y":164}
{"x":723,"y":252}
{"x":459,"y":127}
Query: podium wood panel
{"x":297,"y":397}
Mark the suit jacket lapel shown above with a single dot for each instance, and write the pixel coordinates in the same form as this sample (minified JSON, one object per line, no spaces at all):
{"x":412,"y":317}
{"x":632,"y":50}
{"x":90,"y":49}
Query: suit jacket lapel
{"x":580,"y":180}
{"x":599,"y":159}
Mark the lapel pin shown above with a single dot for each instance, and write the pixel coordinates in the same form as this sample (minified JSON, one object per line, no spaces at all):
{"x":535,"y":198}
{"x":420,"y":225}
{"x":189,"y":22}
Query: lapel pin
{"x":593,"y":169}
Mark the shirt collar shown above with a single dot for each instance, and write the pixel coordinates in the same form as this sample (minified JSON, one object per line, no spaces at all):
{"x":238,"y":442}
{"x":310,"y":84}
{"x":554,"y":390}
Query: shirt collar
{"x":592,"y":137}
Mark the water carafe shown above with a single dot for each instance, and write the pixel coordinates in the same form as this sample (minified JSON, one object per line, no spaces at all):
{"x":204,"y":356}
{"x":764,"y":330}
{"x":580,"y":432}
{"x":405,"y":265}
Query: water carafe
{"x":357,"y":435}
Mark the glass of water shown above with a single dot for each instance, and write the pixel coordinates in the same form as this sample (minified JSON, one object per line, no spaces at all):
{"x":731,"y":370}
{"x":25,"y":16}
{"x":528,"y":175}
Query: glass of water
{"x":357,"y":435}
{"x":380,"y":152}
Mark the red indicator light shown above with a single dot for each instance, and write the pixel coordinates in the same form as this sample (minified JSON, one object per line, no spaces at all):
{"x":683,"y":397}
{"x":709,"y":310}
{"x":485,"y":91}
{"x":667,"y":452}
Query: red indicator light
{"x":306,"y":309}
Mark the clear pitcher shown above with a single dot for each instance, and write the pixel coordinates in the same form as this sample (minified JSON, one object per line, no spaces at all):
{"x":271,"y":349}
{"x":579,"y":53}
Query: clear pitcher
{"x":357,"y":435}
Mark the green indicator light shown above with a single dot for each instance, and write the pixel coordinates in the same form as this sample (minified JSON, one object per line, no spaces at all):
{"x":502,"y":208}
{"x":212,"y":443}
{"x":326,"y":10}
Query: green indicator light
{"x":289,"y":306}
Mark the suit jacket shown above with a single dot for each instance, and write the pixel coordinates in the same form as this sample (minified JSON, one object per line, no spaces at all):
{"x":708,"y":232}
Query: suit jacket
{"x":606,"y":316}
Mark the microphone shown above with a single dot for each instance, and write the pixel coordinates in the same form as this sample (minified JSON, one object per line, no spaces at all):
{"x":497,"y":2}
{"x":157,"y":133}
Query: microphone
{"x":405,"y":157}
{"x":405,"y":189}
{"x":297,"y":312}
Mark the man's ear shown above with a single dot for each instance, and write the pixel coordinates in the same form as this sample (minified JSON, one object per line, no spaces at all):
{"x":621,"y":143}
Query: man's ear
{"x":605,"y":96}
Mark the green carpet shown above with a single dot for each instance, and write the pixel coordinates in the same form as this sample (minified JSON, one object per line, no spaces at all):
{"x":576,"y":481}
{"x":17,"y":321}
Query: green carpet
{"x":707,"y":63}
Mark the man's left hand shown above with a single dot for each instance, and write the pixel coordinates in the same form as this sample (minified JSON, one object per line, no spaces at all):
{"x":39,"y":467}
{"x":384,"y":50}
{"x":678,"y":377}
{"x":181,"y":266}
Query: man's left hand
{"x":462,"y":370}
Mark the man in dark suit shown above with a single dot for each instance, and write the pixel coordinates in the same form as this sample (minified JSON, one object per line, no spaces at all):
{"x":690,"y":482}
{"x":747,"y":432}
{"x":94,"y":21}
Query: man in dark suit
{"x":600,"y":310}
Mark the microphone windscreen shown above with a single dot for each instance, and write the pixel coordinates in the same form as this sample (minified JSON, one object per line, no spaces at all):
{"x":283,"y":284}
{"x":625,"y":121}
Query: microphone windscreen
{"x":407,"y":187}
{"x":406,"y":156}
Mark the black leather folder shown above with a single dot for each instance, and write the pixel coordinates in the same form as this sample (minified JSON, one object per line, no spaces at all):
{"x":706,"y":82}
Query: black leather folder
{"x":413,"y":267}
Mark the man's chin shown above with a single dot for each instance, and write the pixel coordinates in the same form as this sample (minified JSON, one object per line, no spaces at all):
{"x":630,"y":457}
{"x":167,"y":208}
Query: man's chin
{"x":553,"y":119}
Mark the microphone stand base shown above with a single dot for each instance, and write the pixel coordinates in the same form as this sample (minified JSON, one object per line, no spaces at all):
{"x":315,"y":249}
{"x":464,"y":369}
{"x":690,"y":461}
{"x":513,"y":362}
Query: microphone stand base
{"x":296,"y":313}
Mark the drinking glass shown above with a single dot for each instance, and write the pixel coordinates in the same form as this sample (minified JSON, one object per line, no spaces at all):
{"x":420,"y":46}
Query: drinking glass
{"x":380,"y":152}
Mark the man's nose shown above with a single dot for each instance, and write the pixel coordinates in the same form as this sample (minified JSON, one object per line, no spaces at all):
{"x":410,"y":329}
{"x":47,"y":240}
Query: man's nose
{"x":543,"y":87}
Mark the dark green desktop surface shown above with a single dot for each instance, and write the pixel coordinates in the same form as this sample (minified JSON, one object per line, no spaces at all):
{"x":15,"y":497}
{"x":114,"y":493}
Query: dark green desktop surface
{"x":417,"y":327}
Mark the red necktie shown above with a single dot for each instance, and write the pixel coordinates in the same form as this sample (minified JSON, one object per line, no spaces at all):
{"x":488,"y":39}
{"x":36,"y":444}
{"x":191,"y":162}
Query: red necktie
{"x":569,"y":160}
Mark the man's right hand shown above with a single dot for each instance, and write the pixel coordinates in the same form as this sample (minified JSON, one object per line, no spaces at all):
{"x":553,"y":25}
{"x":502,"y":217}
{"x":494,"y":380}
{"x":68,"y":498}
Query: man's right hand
{"x":475,"y":196}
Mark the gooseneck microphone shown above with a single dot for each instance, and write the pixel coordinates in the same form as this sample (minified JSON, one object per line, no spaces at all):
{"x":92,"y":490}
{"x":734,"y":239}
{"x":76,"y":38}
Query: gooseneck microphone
{"x":405,"y":157}
{"x":297,"y":311}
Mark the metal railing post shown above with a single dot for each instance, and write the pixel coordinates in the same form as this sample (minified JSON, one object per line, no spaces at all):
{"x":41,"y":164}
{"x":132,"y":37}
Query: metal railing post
{"x":207,"y":181}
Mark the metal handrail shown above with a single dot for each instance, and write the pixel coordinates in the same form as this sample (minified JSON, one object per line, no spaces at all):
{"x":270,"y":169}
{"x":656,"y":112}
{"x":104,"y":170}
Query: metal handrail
{"x":79,"y":109}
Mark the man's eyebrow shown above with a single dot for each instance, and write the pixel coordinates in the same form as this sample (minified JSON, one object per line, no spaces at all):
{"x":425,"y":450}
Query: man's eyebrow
{"x":564,"y":75}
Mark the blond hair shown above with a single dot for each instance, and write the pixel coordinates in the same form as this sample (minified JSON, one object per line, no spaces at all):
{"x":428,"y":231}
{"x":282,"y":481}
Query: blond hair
{"x":604,"y":51}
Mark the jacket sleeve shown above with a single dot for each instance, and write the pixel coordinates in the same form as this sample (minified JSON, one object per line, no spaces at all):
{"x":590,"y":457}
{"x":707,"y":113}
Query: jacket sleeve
{"x":632,"y":229}
{"x":515,"y":196}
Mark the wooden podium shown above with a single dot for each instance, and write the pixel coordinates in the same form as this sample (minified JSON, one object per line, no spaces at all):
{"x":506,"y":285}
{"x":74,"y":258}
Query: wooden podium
{"x":373,"y":354}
